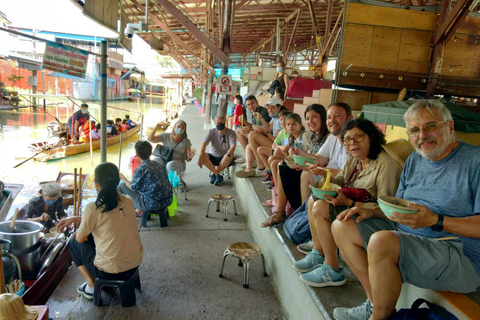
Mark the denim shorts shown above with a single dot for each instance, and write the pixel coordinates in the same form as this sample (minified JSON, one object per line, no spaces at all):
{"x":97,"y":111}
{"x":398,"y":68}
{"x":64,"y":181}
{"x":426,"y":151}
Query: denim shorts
{"x":427,"y":262}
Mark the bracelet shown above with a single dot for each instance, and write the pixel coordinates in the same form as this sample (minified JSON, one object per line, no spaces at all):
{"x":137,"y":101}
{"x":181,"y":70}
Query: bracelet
{"x":266,"y":133}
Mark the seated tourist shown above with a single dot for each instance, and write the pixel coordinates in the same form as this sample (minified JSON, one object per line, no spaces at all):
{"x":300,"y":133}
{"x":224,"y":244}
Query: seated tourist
{"x":369,"y":168}
{"x":125,"y":126}
{"x":251,"y":106}
{"x":150,"y":188}
{"x":48,"y":207}
{"x":274,"y":155}
{"x":118,"y":125}
{"x":288,"y":182}
{"x":130,"y":123}
{"x":442,"y":180}
{"x":223,"y":142}
{"x":111,"y":129}
{"x":85,"y":130}
{"x":107,"y":244}
{"x":179,"y":142}
{"x":96,"y":133}
{"x":261,"y":136}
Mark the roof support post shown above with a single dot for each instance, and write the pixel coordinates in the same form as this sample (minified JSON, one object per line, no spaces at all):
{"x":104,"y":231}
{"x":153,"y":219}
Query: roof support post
{"x":454,"y":18}
{"x":167,"y":5}
{"x":437,"y":55}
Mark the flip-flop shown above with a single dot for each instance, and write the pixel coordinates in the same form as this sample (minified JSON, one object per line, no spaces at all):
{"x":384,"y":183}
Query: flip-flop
{"x":268,"y":203}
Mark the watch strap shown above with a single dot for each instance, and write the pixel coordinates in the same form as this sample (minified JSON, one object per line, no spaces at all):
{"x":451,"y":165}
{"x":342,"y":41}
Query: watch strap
{"x":439,"y":225}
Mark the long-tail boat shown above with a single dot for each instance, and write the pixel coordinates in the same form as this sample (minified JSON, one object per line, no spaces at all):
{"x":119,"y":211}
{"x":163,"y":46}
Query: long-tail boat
{"x":47,"y":152}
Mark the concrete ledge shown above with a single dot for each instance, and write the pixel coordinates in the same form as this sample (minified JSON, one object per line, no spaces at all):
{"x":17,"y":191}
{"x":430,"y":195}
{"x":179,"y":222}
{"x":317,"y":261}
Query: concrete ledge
{"x":298,"y":299}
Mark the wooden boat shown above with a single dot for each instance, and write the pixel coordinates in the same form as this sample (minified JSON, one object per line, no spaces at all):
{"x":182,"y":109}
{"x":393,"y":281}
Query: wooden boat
{"x":38,"y":291}
{"x":76,"y":148}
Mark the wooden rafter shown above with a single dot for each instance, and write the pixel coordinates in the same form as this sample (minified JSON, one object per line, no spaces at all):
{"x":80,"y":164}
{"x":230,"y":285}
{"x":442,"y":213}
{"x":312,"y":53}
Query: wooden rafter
{"x":272,"y":33}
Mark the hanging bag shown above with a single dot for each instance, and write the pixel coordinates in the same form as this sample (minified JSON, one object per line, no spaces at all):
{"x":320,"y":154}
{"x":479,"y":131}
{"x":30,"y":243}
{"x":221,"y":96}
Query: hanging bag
{"x":165,"y":153}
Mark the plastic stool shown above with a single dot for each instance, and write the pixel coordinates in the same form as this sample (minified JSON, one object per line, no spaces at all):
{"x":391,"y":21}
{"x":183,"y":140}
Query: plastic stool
{"x":162,"y":215}
{"x":244,"y":251}
{"x":127,"y":289}
{"x":224,"y":199}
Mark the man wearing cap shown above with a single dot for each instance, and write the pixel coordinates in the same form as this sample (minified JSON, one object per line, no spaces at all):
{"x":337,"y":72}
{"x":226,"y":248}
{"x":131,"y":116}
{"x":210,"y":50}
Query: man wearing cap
{"x":261,"y":136}
{"x":251,"y":106}
{"x":78,"y":119}
{"x":438,"y":246}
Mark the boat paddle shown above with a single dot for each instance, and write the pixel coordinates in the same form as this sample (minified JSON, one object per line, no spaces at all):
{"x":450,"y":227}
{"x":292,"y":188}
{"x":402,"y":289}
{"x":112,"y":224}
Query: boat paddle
{"x":36,"y":154}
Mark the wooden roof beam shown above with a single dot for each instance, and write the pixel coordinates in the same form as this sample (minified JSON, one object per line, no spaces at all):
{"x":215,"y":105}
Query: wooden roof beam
{"x":272,"y":33}
{"x":170,"y":33}
{"x":459,"y":12}
{"x":169,"y":7}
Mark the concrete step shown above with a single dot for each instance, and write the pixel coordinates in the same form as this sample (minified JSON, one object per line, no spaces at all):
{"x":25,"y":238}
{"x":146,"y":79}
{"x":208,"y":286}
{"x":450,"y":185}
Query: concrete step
{"x":316,"y":93}
{"x":300,"y":109}
{"x":311,"y":100}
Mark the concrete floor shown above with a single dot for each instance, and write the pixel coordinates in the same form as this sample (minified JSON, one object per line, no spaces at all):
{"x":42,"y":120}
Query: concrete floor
{"x":181,"y":264}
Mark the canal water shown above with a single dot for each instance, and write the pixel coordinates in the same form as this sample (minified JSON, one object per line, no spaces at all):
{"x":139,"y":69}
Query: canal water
{"x":19,"y":128}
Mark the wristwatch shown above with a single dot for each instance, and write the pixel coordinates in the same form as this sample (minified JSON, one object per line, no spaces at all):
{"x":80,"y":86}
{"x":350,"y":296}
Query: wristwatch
{"x":439,"y":225}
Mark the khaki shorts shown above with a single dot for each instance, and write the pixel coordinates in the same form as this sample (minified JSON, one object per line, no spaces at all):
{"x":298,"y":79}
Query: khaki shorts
{"x":426,"y":262}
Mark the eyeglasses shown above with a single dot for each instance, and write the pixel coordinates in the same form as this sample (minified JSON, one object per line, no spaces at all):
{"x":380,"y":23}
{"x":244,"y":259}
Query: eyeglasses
{"x":428,"y":128}
{"x":357,"y":138}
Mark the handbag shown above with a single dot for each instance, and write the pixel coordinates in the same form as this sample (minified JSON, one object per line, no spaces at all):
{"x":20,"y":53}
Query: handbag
{"x":433,"y":312}
{"x":165,"y":153}
{"x":356,"y":194}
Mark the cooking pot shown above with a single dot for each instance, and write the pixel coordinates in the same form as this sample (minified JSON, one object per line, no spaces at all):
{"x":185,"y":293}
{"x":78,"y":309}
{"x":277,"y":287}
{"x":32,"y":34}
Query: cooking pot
{"x":25,"y":235}
{"x":25,"y":239}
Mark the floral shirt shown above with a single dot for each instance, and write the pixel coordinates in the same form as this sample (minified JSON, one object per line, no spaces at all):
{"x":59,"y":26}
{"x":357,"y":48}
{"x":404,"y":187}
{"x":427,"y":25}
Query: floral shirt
{"x":151,"y":180}
{"x":36,"y":207}
{"x":315,"y":146}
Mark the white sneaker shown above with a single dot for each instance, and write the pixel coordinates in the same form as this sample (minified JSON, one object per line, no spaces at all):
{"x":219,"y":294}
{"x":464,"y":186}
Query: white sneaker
{"x":240,"y":160}
{"x":305,"y":248}
{"x":244,"y":165}
{"x":259,"y":172}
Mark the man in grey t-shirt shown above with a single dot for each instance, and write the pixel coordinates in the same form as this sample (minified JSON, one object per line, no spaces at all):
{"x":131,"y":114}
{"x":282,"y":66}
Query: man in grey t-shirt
{"x":223,"y":142}
{"x":437,"y":246}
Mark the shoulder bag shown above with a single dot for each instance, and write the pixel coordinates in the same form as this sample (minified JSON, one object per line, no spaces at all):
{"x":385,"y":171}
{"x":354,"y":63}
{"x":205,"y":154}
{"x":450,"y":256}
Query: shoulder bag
{"x":165,"y":153}
{"x":356,"y":194}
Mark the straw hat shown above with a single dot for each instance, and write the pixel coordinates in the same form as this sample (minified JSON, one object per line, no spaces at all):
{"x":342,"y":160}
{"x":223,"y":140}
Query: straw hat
{"x":12,"y":308}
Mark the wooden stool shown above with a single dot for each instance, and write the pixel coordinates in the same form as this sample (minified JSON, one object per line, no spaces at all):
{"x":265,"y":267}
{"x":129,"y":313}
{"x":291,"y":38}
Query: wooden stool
{"x":223,"y":199}
{"x":244,"y":251}
{"x":127,"y":289}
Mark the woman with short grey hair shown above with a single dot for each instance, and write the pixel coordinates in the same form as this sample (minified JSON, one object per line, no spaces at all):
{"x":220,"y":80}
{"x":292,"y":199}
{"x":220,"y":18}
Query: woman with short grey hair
{"x":48,"y":207}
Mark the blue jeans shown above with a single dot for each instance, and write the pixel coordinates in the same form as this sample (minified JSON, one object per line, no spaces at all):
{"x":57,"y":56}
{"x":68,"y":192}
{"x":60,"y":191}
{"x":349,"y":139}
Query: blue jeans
{"x":138,"y":201}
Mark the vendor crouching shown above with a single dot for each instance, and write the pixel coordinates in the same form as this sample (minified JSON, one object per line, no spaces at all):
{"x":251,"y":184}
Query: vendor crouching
{"x":48,"y":207}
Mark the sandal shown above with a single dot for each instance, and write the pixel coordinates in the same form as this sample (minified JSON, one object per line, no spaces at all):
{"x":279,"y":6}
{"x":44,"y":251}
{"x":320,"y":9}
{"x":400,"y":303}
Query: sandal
{"x":276,"y":218}
{"x":268,"y":203}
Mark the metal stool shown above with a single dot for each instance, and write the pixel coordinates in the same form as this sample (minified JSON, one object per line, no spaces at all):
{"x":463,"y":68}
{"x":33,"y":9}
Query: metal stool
{"x":181,"y":187}
{"x":223,"y":199}
{"x":244,"y":251}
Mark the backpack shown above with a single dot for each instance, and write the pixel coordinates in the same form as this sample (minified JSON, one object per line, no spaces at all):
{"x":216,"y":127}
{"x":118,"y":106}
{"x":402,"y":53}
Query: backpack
{"x":433,"y":312}
{"x":273,"y":86}
{"x":296,"y":227}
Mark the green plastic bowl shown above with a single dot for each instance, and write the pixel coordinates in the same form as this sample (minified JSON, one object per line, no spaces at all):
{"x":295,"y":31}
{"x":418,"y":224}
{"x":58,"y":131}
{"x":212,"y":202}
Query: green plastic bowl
{"x":301,"y":160}
{"x":391,"y":204}
{"x":319,"y":193}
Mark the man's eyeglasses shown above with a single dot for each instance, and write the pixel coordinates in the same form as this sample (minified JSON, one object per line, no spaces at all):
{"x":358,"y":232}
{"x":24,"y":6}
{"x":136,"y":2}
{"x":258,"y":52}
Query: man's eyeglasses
{"x":357,"y":138}
{"x":428,"y":128}
{"x":224,"y":139}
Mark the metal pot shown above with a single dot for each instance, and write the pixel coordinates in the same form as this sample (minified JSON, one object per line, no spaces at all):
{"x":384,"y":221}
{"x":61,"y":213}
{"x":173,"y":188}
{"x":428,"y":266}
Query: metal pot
{"x":25,"y":235}
{"x":25,"y":239}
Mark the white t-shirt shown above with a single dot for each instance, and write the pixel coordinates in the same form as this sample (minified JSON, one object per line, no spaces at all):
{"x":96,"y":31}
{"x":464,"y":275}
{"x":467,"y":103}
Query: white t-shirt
{"x":335,"y":151}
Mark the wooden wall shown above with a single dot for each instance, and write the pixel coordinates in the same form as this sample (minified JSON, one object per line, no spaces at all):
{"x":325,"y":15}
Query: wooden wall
{"x":395,"y":43}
